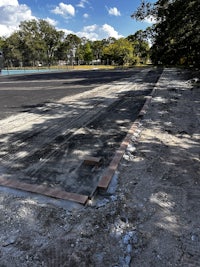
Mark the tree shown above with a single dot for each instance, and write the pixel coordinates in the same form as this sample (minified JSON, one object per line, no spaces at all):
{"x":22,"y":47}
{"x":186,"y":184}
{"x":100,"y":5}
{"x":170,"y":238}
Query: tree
{"x":120,"y":51}
{"x":176,"y":31}
{"x":97,"y":48}
{"x":51,"y":39}
{"x":11,"y":52}
{"x":39,"y":41}
{"x":140,"y":44}
{"x":2,"y":41}
{"x":87,"y":53}
{"x":72,"y":44}
{"x":31,"y":44}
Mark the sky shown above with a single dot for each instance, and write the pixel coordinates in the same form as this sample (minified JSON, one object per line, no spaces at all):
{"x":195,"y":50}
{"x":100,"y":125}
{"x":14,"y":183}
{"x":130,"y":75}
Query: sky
{"x":93,"y":19}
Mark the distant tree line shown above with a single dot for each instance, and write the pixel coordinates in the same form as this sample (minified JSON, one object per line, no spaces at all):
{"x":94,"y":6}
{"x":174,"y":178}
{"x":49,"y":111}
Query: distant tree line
{"x":37,"y":43}
{"x":176,"y":34}
{"x":174,"y":37}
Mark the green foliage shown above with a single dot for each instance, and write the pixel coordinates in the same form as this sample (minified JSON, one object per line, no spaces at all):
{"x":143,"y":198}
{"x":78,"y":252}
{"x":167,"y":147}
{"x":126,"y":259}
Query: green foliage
{"x":37,"y":42}
{"x":174,"y":37}
{"x":119,"y":52}
{"x":87,"y":53}
{"x":12,"y":55}
{"x":176,"y":34}
{"x":2,"y":41}
{"x":97,"y":48}
{"x":72,"y":40}
{"x":66,"y":47}
{"x":140,"y":44}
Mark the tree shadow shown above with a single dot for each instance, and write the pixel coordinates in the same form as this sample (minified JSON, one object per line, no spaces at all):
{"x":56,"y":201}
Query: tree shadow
{"x":51,"y":149}
{"x":154,"y":217}
{"x":88,"y":76}
{"x":163,"y":176}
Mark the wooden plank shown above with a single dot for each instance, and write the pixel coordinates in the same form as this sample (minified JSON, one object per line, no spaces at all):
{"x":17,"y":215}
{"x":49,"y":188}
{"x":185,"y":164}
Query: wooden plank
{"x":44,"y":190}
{"x":92,"y":160}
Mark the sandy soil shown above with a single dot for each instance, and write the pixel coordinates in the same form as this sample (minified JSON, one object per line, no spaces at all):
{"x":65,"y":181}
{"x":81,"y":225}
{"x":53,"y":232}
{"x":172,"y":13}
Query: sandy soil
{"x":148,"y":216}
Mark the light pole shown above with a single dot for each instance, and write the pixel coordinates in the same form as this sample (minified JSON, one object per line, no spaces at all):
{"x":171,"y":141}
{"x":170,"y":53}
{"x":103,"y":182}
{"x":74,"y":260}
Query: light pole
{"x":71,"y":55}
{"x":73,"y":52}
{"x":1,"y":61}
{"x":68,"y":60}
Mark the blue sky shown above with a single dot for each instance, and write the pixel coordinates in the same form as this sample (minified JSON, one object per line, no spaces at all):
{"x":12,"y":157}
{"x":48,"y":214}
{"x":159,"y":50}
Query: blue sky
{"x":93,"y":19}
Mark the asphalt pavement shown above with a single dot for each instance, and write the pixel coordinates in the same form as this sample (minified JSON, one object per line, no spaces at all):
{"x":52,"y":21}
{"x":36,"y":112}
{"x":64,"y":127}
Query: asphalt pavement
{"x":50,"y":122}
{"x":21,"y":92}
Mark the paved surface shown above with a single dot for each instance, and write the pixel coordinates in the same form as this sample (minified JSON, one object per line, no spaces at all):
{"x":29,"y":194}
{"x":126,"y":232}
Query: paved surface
{"x":149,"y":214}
{"x":44,"y":145}
{"x":19,"y":93}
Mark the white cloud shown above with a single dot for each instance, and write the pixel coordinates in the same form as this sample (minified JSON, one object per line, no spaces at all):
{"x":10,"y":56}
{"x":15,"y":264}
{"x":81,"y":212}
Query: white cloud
{"x":51,"y":21}
{"x":90,"y":32}
{"x":96,"y":32}
{"x":85,"y":16}
{"x":66,"y":31}
{"x":114,"y":11}
{"x":150,"y":20}
{"x":93,"y":36}
{"x":90,"y":28}
{"x":110,"y":31}
{"x":64,"y":10}
{"x":9,"y":3}
{"x":11,"y":14}
{"x":82,"y":3}
{"x":7,"y":30}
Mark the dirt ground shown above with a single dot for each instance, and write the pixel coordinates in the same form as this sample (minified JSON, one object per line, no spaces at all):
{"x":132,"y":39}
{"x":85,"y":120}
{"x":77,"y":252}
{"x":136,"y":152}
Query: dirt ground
{"x":149,"y":216}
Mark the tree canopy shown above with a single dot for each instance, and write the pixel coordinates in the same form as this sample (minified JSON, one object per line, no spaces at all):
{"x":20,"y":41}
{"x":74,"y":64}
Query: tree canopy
{"x":38,"y":42}
{"x":120,"y":51}
{"x":174,"y":38}
{"x":176,"y":34}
